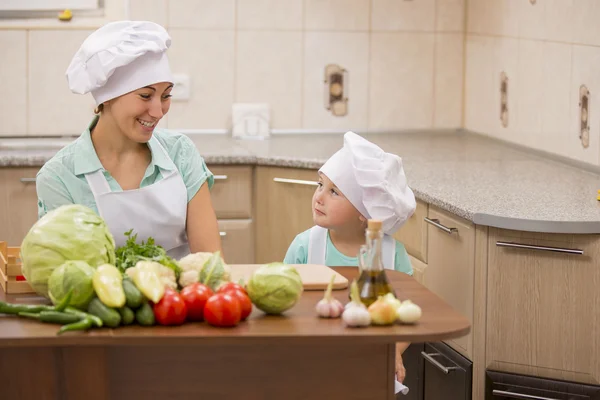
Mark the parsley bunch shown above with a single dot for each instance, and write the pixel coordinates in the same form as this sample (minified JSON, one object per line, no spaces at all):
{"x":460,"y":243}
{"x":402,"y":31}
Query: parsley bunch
{"x":129,"y":254}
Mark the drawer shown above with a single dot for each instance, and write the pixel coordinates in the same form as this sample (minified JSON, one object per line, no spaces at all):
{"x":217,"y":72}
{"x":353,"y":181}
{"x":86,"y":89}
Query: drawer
{"x":232,"y":192}
{"x":413,"y":234}
{"x":237,"y":240}
{"x":501,"y":386}
{"x":447,"y":375}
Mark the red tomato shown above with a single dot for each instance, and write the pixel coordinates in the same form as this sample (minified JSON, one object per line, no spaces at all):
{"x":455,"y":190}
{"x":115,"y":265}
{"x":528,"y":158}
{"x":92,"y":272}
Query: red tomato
{"x":231,"y":286}
{"x":171,"y":309}
{"x":195,"y":297}
{"x":245,"y":302}
{"x":223,"y":309}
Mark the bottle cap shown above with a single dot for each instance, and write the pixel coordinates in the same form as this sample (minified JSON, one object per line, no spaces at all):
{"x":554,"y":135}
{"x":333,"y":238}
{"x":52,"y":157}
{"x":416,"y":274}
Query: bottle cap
{"x":374,"y":225}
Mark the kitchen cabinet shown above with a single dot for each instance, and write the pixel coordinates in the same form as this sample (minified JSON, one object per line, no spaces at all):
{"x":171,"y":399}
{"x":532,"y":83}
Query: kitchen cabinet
{"x":447,"y":375}
{"x":283,"y":209}
{"x":419,"y":269}
{"x":543,"y":305}
{"x":237,"y":241}
{"x":451,"y":266}
{"x":503,"y":386}
{"x":18,"y":203}
{"x":413,"y":364}
{"x":231,"y":194}
{"x":413,"y":234}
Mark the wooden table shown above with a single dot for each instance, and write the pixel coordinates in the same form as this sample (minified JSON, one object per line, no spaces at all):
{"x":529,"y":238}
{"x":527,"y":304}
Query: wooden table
{"x":294,"y":356}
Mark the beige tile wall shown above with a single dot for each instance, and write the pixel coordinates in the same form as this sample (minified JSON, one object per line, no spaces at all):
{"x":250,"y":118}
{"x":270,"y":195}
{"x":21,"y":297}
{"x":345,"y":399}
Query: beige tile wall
{"x":548,"y":50}
{"x":405,"y":63}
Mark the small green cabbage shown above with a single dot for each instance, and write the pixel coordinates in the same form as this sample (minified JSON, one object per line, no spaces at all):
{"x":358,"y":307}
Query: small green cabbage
{"x":275,"y":287}
{"x":70,"y":232}
{"x":72,"y":275}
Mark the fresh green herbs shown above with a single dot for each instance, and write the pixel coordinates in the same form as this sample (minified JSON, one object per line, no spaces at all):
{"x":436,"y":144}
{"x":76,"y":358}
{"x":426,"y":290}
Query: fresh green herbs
{"x":132,"y":252}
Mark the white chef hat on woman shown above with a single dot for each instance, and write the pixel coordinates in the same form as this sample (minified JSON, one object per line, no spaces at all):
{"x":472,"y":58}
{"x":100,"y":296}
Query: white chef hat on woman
{"x":120,"y":57}
{"x":373,"y":181}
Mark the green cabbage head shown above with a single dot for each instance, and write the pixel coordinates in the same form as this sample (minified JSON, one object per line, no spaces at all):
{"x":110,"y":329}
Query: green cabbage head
{"x":76,"y":276}
{"x":70,"y":232}
{"x":275,"y":287}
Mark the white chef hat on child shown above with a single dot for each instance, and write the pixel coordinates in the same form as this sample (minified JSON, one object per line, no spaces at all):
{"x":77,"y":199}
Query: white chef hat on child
{"x":373,"y":181}
{"x":120,"y":57}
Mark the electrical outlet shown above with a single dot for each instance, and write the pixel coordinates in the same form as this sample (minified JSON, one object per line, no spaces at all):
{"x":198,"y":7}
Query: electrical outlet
{"x":504,"y":99}
{"x":181,"y":87}
{"x":336,"y":89}
{"x":584,"y":116}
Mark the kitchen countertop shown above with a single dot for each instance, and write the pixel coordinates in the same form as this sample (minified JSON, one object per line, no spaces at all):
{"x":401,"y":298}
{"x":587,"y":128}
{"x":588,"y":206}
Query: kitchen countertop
{"x":477,"y":178}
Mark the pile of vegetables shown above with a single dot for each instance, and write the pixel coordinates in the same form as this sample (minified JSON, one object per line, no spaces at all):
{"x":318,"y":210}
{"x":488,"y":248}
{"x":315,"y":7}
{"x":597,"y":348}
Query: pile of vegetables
{"x":386,"y":310}
{"x":69,"y":257}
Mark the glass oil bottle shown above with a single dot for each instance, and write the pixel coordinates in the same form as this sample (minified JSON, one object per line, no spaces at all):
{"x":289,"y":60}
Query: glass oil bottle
{"x":372,"y":281}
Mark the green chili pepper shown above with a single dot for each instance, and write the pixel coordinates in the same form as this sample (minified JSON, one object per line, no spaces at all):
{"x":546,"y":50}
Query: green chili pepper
{"x":65,"y":301}
{"x":52,"y":317}
{"x":82,"y":325}
{"x":15,"y":309}
{"x":83,"y":315}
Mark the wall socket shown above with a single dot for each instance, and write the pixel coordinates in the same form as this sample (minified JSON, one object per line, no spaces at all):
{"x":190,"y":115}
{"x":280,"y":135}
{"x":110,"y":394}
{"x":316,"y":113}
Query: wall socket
{"x":584,"y":116}
{"x":504,"y":99}
{"x":336,"y":89}
{"x":181,"y":87}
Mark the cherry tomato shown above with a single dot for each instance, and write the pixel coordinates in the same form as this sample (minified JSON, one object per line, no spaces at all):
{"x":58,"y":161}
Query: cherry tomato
{"x":223,"y":309}
{"x":229,"y":286}
{"x":245,"y":302}
{"x":195,"y":297}
{"x":171,"y":309}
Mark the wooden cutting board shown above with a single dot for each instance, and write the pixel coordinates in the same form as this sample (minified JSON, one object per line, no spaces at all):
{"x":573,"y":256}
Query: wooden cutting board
{"x":314,"y":277}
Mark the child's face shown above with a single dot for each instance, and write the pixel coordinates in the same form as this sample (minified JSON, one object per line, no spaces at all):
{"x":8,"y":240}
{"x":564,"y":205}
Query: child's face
{"x":331,"y":209}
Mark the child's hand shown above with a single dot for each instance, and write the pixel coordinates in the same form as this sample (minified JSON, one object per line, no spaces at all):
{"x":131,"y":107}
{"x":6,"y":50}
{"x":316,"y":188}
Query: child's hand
{"x":400,"y":371}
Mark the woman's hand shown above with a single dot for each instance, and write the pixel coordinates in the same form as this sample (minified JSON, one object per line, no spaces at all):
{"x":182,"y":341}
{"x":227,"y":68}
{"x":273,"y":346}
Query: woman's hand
{"x":202,"y":226}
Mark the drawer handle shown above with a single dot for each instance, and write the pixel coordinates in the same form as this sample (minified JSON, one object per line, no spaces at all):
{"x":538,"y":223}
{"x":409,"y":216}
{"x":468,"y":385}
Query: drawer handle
{"x":429,"y":357}
{"x":513,"y":395}
{"x":296,"y":181}
{"x":27,"y":180}
{"x":436,"y":223}
{"x":222,"y":234}
{"x":544,"y":248}
{"x":220,"y":177}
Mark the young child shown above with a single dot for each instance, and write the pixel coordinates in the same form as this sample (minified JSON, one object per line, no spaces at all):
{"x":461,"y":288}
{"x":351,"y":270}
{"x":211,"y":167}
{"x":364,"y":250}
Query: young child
{"x":359,"y":182}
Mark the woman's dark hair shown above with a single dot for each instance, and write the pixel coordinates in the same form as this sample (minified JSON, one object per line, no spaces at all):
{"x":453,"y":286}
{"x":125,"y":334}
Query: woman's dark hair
{"x":99,"y":109}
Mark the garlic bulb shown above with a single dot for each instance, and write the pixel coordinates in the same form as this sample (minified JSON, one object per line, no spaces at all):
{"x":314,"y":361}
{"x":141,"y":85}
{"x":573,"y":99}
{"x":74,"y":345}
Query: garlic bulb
{"x":329,"y":307}
{"x":408,"y":312}
{"x":355,"y":313}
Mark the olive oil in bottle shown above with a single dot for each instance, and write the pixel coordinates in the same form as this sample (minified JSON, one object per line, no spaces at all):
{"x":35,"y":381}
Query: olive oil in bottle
{"x":372,"y":281}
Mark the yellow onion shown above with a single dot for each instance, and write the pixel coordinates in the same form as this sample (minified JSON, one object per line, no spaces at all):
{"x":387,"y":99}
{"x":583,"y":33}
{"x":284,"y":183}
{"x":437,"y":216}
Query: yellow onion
{"x":382,"y":312}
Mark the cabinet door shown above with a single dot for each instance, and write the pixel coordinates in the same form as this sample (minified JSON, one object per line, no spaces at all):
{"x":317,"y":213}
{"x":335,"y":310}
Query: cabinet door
{"x":18,"y":203}
{"x":503,"y":386}
{"x":237,"y":241}
{"x":232,"y":192}
{"x":413,"y":233}
{"x":447,"y":374}
{"x":413,"y":364}
{"x":283,"y":208}
{"x":543,"y":305}
{"x":451,"y":267}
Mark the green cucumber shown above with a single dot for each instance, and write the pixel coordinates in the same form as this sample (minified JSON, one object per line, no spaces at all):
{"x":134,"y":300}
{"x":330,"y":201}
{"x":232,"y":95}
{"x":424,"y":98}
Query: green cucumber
{"x":144,"y":315}
{"x":134,"y":298}
{"x":127,"y":315}
{"x":109,"y":316}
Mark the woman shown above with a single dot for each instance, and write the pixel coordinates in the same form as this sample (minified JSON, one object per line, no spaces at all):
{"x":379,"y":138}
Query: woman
{"x":135,"y":176}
